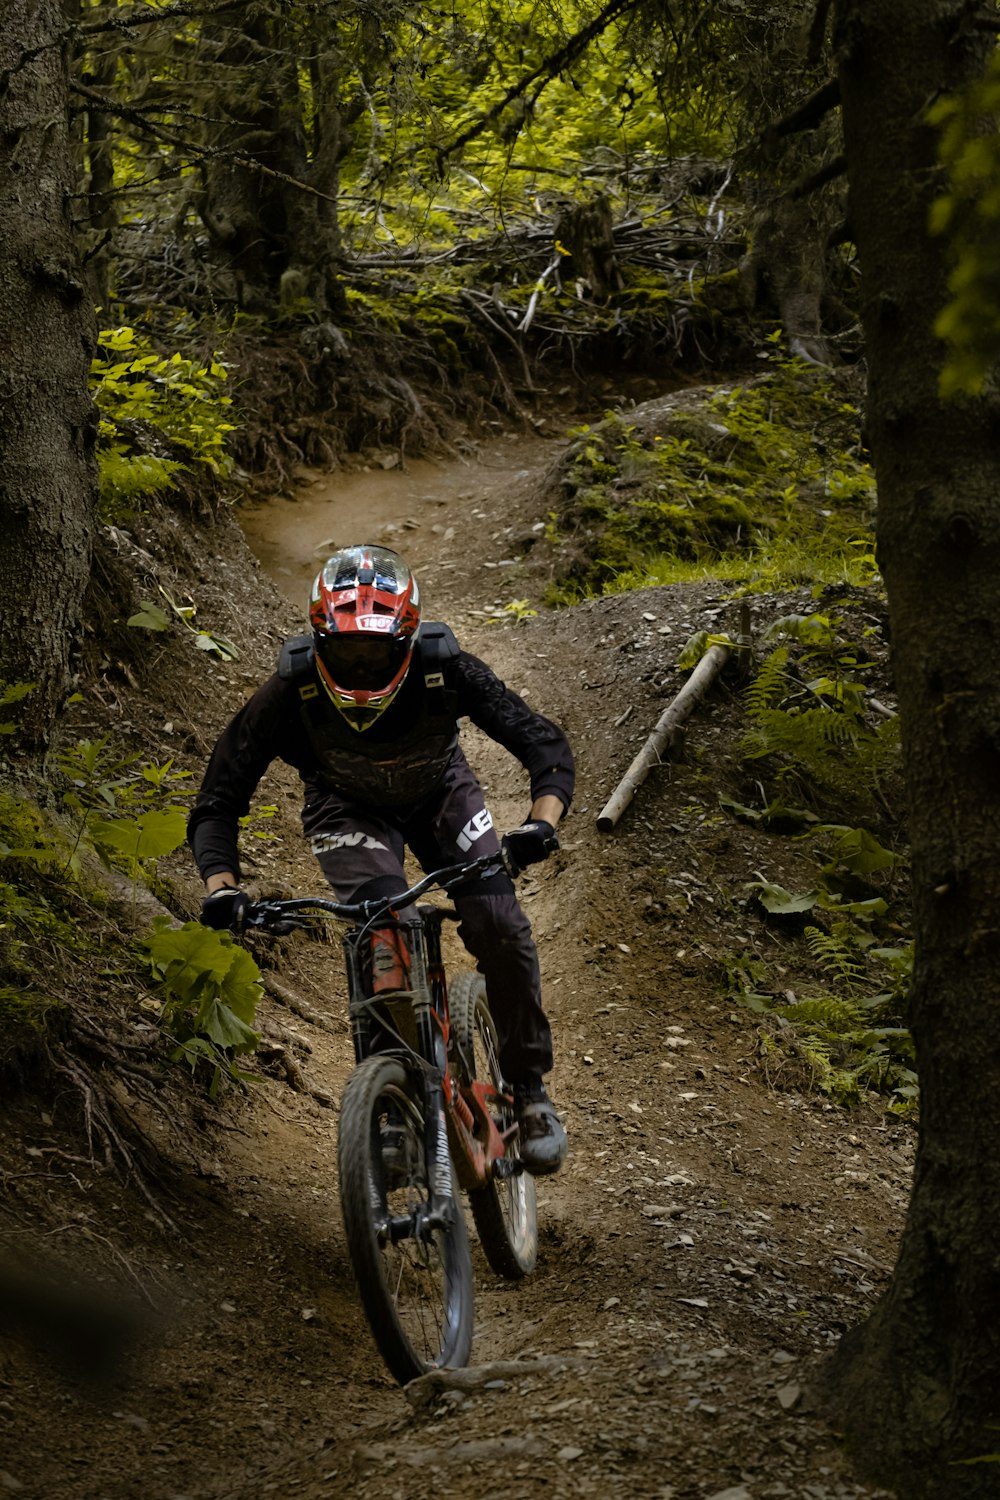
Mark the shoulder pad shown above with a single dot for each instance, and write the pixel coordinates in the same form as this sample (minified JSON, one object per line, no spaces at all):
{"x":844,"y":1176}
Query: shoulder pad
{"x":438,"y":650}
{"x":296,"y":657}
{"x":438,"y":639}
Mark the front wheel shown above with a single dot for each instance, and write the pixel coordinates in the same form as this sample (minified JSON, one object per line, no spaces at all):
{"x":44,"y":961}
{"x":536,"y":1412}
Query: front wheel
{"x":504,"y":1210}
{"x":415,"y":1281}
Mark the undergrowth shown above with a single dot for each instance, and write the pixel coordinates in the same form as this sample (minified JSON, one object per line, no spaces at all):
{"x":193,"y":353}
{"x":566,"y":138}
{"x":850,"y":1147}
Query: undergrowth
{"x":763,"y":486}
{"x":820,"y":757}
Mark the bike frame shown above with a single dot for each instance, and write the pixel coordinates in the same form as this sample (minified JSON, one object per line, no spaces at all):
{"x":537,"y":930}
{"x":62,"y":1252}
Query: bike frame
{"x":460,"y":1127}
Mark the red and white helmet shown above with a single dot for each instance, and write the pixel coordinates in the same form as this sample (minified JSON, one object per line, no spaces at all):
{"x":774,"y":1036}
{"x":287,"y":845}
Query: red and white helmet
{"x":365,"y":613}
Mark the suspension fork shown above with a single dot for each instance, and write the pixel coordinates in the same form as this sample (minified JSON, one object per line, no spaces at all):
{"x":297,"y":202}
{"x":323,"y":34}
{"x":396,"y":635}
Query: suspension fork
{"x":432,"y":1046}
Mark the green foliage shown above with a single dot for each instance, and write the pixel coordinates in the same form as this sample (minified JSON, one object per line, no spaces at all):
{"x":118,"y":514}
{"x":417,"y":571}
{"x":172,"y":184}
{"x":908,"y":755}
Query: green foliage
{"x":210,"y":989}
{"x":181,"y":403}
{"x":811,"y":727}
{"x":969,"y":215}
{"x":10,"y":694}
{"x":152,"y":617}
{"x":700,"y":643}
{"x":763,"y":485}
{"x":128,"y":812}
{"x":844,"y":1044}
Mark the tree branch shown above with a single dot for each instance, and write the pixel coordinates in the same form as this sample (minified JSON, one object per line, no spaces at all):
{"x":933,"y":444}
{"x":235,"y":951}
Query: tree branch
{"x":806,"y":185}
{"x":805,"y":116}
{"x":817,"y":31}
{"x":145,"y":16}
{"x":195,"y":153}
{"x":549,"y":69}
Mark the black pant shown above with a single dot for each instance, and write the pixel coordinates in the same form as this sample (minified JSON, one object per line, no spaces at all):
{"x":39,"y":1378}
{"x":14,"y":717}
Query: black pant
{"x":360,"y":850}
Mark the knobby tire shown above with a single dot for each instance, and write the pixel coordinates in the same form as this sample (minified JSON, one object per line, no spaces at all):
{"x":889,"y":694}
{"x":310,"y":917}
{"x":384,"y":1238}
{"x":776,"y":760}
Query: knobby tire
{"x":504,"y":1211}
{"x":417,"y":1294}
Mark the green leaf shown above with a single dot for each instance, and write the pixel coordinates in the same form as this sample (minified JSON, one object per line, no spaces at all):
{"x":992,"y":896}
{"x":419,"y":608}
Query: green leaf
{"x":193,"y":961}
{"x":217,"y":645}
{"x":222,"y":1026}
{"x":150,"y":836}
{"x":778,"y":901}
{"x":150,"y":617}
{"x":857,"y":851}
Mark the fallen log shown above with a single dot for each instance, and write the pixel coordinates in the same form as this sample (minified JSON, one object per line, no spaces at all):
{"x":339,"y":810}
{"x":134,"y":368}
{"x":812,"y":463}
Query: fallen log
{"x":667,"y":730}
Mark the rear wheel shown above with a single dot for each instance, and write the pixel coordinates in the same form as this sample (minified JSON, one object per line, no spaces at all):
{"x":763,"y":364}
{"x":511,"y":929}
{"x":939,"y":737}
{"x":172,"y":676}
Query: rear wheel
{"x":415,"y":1282}
{"x":504,"y":1210}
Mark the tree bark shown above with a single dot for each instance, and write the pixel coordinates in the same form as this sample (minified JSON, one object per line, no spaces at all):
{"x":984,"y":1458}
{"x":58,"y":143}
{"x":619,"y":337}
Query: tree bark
{"x":917,"y":1388}
{"x":280,"y":240}
{"x":48,"y":482}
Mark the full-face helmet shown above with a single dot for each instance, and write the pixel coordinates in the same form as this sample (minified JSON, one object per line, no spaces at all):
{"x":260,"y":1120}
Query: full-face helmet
{"x":364,"y":612}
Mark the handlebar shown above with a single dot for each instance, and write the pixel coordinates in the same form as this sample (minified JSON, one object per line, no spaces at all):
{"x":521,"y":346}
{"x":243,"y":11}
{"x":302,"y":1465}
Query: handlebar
{"x":281,"y":917}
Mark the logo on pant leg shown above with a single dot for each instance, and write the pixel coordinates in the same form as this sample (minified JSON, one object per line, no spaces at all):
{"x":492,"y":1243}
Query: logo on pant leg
{"x":474,"y":829}
{"x":325,"y":843}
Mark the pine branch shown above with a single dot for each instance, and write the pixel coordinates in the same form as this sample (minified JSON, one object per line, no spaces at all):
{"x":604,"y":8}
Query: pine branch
{"x":806,"y":185}
{"x":146,"y":16}
{"x":805,"y":116}
{"x":195,"y":154}
{"x":550,"y":68}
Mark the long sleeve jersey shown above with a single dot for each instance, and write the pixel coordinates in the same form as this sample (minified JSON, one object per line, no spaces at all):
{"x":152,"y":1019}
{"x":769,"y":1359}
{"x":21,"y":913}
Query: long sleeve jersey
{"x":391,"y":766}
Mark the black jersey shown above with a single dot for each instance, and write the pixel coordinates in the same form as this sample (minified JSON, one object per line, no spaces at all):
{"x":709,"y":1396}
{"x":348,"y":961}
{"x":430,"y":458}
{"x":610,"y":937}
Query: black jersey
{"x":392,"y":766}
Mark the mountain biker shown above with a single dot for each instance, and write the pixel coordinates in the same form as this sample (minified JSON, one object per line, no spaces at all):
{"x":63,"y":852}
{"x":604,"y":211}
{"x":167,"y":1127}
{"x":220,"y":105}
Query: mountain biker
{"x":365,"y":708}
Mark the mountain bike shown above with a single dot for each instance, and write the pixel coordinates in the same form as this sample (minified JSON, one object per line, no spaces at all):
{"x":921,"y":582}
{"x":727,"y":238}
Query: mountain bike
{"x":418,"y":1122}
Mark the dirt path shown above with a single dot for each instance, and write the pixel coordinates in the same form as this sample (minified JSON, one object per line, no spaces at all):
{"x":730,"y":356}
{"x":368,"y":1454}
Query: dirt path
{"x":709,"y":1239}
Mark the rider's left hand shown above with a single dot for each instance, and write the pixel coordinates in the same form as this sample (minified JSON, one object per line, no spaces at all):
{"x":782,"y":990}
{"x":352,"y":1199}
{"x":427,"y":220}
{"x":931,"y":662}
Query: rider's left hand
{"x":534,"y":841}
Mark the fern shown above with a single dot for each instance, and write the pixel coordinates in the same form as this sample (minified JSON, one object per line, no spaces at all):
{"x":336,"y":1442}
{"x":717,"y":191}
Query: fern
{"x":836,"y":958}
{"x":770,"y":682}
{"x":830,"y":1016}
{"x":816,"y":741}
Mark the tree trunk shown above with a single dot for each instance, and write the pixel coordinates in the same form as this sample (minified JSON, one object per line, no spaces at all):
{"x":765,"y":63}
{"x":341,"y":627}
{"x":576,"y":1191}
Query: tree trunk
{"x":917,"y":1388}
{"x":280,"y":240}
{"x":585,"y":231}
{"x":47,"y":426}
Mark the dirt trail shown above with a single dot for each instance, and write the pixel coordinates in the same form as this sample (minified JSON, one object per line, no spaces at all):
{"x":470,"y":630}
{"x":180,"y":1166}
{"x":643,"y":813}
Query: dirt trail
{"x":709,"y":1238}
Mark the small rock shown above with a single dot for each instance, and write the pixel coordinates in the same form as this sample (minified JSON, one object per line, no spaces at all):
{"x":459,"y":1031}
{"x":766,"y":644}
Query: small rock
{"x":495,"y":1385}
{"x":789,"y":1396}
{"x":308,"y":1314}
{"x":228,"y":1307}
{"x":588,"y":1060}
{"x":737,"y":1492}
{"x":568,"y":1454}
{"x":611,"y":1302}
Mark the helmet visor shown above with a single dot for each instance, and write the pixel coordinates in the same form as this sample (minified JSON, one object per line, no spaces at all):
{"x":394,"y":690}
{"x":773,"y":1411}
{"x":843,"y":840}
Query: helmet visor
{"x":362,"y":663}
{"x":371,"y":565}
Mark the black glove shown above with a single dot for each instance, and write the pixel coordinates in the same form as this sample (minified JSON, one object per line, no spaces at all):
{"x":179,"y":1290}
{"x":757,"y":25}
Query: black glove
{"x":225,"y":908}
{"x":528,"y":845}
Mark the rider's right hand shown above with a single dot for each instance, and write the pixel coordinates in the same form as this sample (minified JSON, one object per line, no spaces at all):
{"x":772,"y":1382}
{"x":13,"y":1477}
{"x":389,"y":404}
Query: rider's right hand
{"x":225,"y":908}
{"x":534,"y":841}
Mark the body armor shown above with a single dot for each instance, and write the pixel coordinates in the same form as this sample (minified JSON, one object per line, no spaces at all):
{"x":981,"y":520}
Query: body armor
{"x":400,"y":759}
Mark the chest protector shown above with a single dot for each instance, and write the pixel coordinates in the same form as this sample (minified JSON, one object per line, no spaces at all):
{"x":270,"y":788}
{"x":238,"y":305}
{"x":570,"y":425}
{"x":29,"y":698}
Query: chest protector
{"x":403,"y":756}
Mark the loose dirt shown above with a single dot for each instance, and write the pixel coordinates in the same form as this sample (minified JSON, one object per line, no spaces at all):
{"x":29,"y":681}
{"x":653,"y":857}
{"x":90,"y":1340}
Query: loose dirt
{"x":717,"y":1226}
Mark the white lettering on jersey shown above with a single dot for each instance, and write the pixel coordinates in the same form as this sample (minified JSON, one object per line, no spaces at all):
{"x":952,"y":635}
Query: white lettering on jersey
{"x":325,"y":843}
{"x":474,"y":829}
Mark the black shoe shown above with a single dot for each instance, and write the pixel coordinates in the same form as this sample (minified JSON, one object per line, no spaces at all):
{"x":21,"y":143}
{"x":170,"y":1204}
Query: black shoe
{"x":542,"y":1144}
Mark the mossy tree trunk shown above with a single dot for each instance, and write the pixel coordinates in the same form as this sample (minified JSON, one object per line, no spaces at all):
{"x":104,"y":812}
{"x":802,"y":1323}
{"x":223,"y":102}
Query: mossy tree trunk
{"x":47,"y":474}
{"x":917,"y":1387}
{"x":269,"y":200}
